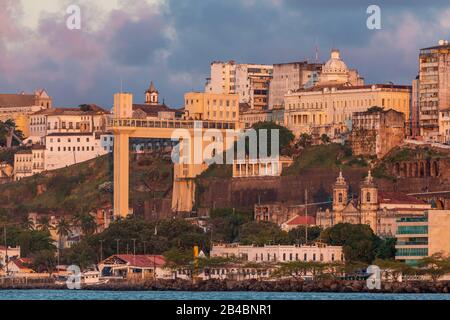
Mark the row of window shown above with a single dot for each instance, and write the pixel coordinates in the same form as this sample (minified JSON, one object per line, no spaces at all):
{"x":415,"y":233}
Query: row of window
{"x":82,"y":148}
{"x":412,"y":252}
{"x":68,"y":140}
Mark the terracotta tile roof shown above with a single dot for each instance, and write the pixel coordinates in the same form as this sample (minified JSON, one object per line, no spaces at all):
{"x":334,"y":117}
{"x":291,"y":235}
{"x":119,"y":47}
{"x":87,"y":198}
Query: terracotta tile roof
{"x":152,"y":110}
{"x":397,"y":198}
{"x":17,"y":100}
{"x":302,"y":220}
{"x":91,"y":109}
{"x":22,"y":263}
{"x":142,"y":261}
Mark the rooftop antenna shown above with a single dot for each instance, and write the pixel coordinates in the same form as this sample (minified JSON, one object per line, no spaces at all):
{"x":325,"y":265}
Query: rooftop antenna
{"x":121,"y":85}
{"x":317,"y":52}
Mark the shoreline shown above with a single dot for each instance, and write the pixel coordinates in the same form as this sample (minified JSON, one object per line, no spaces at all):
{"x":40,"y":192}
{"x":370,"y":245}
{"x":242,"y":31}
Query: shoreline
{"x":332,"y":286}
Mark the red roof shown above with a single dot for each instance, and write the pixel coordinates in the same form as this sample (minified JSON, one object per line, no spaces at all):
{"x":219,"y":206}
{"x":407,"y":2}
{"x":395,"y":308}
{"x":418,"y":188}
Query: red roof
{"x":22,"y":263}
{"x":143,"y":261}
{"x":398,"y":198}
{"x":302,"y":220}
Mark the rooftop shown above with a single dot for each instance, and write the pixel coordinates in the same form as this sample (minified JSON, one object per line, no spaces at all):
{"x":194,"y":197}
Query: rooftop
{"x":397,"y":198}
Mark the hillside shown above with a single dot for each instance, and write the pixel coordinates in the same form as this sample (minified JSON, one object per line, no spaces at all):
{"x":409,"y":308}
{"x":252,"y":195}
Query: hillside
{"x":85,"y":186}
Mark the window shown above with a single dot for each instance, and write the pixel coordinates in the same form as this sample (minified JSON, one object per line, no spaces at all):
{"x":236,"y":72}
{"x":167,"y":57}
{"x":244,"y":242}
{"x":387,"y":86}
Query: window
{"x":368,"y":196}
{"x":340,"y":197}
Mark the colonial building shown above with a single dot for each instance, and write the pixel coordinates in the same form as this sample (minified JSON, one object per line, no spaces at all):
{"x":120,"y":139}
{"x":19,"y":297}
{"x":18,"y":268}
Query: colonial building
{"x":379,"y":210}
{"x":375,"y":132}
{"x":18,"y":107}
{"x":434,"y":87}
{"x":249,"y":81}
{"x":29,"y":162}
{"x":327,"y":107}
{"x":69,"y":148}
{"x":86,"y":118}
{"x":245,"y":168}
{"x":277,"y":213}
{"x":279,"y":253}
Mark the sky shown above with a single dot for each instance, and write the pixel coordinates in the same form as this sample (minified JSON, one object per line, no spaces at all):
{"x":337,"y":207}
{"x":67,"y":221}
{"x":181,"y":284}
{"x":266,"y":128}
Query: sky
{"x":173,"y":42}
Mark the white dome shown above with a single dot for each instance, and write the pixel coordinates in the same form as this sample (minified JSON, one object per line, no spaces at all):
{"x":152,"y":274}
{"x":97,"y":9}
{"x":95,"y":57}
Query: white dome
{"x":335,"y":64}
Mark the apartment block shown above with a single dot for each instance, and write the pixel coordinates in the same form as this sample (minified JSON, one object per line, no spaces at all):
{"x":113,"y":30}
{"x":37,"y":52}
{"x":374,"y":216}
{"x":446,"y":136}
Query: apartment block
{"x":434,"y":88}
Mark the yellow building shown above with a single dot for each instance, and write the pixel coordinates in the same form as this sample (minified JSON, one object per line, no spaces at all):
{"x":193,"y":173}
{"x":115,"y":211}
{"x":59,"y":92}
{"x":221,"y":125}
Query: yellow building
{"x":327,"y":107}
{"x":211,"y":106}
{"x":18,"y":107}
{"x":331,"y":108}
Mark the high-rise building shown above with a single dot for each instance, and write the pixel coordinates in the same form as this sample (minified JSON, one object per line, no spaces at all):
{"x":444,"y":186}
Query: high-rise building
{"x":434,"y":87}
{"x":290,"y":77}
{"x":249,"y":81}
{"x":415,"y":110}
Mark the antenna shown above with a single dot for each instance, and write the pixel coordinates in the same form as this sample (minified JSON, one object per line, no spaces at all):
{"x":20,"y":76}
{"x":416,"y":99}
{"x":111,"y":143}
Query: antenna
{"x":317,"y":52}
{"x":121,"y":85}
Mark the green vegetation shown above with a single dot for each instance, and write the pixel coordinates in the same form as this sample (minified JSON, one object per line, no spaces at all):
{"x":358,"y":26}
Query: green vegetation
{"x":404,"y":154}
{"x":358,"y":242}
{"x":174,"y":236}
{"x":325,"y":156}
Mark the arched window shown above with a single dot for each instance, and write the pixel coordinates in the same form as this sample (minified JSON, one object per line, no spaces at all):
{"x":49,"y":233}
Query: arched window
{"x":368,"y":196}
{"x":340,"y":197}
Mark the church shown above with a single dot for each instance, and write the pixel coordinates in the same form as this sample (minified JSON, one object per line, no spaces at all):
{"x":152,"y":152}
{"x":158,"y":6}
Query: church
{"x":380,"y":210}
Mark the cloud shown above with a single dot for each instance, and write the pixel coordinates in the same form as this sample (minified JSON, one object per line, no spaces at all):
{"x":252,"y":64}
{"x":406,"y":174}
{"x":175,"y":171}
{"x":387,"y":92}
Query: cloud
{"x":172,"y":42}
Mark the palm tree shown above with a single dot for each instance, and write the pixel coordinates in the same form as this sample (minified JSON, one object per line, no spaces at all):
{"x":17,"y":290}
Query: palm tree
{"x":86,"y":222}
{"x":44,"y":223}
{"x":28,"y":223}
{"x":63,"y":229}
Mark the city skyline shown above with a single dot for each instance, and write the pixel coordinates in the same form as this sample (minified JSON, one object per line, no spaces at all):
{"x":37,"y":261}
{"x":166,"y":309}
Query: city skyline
{"x":118,"y":43}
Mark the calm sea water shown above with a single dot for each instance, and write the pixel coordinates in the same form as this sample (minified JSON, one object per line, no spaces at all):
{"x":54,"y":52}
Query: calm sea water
{"x":171,"y":295}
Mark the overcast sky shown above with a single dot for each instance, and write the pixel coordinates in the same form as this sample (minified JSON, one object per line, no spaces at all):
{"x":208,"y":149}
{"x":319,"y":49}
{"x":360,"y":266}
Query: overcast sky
{"x":172,"y":42}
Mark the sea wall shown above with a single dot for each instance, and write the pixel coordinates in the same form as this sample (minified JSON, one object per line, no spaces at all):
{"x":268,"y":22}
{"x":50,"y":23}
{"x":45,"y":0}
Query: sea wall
{"x":291,"y":285}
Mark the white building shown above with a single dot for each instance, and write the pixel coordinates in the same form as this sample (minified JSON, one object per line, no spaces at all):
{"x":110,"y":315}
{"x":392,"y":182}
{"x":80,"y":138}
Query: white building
{"x":245,"y":168}
{"x":65,"y":149}
{"x":279,"y":253}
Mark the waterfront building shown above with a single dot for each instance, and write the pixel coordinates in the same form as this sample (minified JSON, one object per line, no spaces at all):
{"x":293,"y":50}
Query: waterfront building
{"x":249,"y":81}
{"x":211,"y":106}
{"x":379,"y":210}
{"x":8,"y":253}
{"x":129,"y":266}
{"x":245,"y":168}
{"x":18,"y":107}
{"x":20,"y":266}
{"x":375,"y":132}
{"x":419,"y":237}
{"x":279,"y":253}
{"x":291,"y":76}
{"x":434,"y":88}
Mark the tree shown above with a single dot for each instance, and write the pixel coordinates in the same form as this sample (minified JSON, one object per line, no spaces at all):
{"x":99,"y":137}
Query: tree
{"x":226,"y":222}
{"x":436,"y":266}
{"x":44,"y":261}
{"x":305,"y":140}
{"x":44,"y":223}
{"x":325,"y":139}
{"x":297,"y":235}
{"x":261,"y":233}
{"x":63,"y":229}
{"x":285,"y":135}
{"x":386,"y":249}
{"x":358,"y":241}
{"x":33,"y":241}
{"x":393,"y":269}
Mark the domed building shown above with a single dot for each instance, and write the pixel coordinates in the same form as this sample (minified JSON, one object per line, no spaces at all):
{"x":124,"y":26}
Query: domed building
{"x":336,"y":72}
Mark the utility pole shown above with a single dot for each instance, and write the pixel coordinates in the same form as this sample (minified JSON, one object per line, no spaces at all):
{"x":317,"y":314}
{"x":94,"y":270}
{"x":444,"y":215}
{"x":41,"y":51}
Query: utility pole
{"x":6,"y":249}
{"x":144,"y":247}
{"x":134,"y":251}
{"x":306,"y":216}
{"x":101,"y":250}
{"x":117,"y":240}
